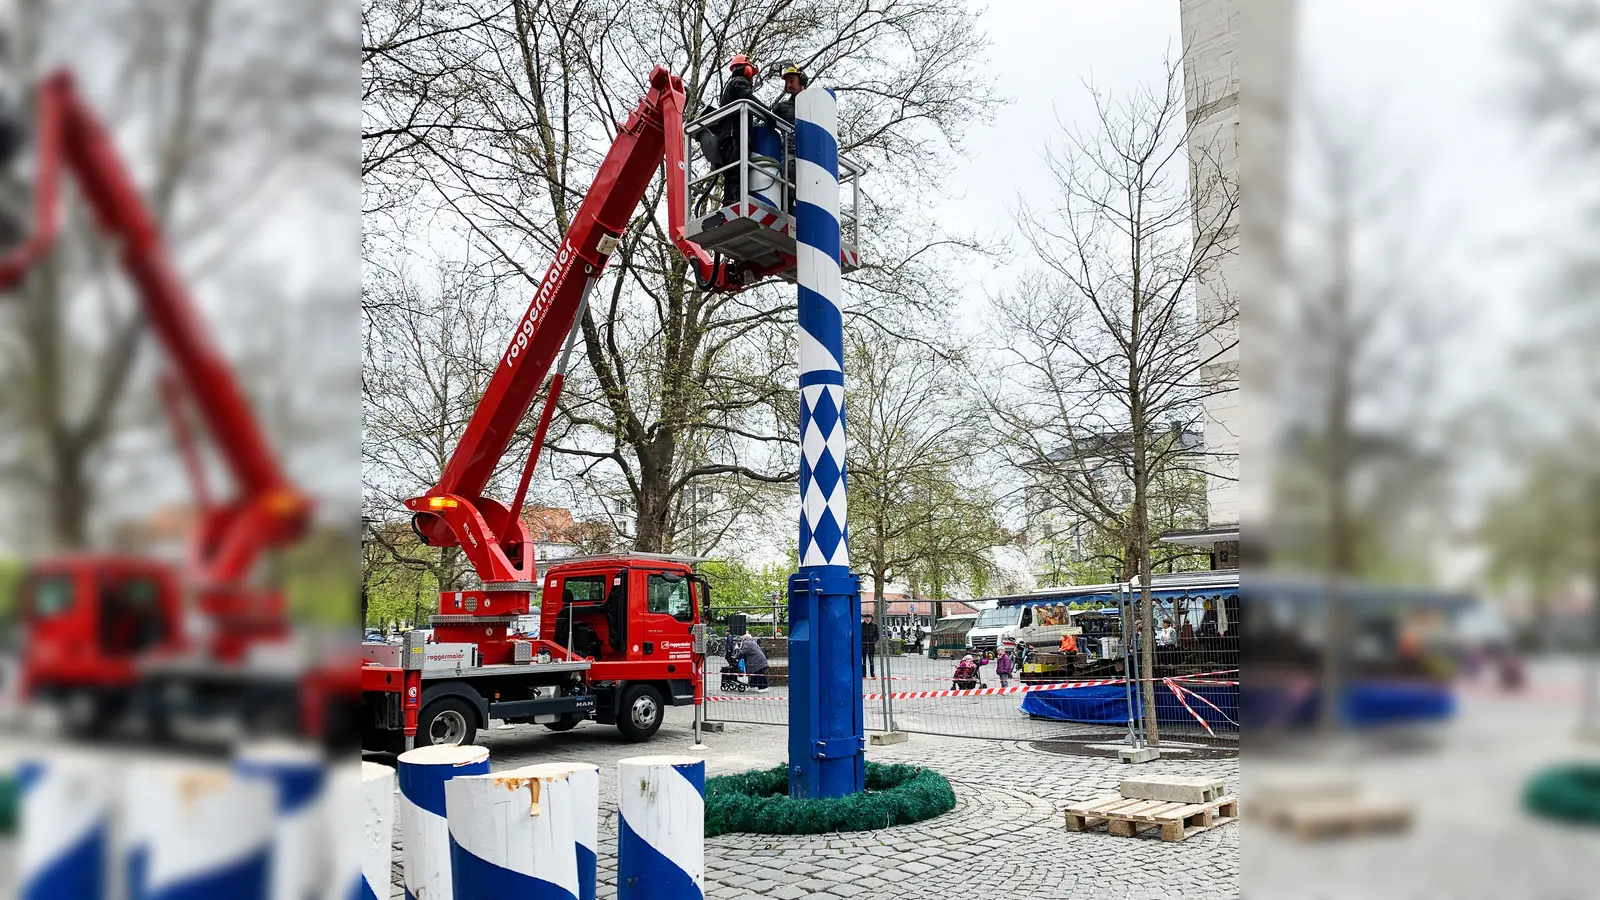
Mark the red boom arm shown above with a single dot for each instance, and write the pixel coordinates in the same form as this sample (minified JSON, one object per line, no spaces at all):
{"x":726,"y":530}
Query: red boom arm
{"x":266,"y":510}
{"x":455,"y":511}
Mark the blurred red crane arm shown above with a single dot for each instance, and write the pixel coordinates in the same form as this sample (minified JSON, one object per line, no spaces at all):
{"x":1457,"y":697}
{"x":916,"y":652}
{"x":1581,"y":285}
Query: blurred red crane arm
{"x":265,"y":510}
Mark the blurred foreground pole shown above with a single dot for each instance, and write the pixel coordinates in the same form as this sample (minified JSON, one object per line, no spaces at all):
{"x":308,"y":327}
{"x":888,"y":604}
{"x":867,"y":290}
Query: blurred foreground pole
{"x":517,"y":835}
{"x":296,"y":776}
{"x":203,"y":832}
{"x":424,"y":828}
{"x":661,"y":821}
{"x":65,"y":827}
{"x":825,"y":716}
{"x":360,"y":813}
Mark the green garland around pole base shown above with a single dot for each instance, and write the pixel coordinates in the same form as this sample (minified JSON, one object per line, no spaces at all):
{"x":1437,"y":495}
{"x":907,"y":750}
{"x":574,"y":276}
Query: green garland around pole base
{"x":759,"y":803}
{"x":10,"y":806}
{"x":1570,"y":793}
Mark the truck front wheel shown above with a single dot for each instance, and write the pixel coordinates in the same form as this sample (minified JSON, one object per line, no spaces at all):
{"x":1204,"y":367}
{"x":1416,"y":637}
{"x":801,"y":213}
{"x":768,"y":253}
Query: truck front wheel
{"x":447,"y":721}
{"x":639,"y":716}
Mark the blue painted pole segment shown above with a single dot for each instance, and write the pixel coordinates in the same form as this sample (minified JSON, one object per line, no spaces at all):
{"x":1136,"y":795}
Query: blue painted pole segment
{"x":295,"y":774}
{"x":661,"y":825}
{"x":65,"y":827}
{"x":826,"y":757}
{"x":424,"y":829}
{"x":511,"y":834}
{"x":205,"y":832}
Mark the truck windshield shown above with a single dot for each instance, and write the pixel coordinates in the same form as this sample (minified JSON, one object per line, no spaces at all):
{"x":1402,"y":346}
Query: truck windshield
{"x":998,"y":618}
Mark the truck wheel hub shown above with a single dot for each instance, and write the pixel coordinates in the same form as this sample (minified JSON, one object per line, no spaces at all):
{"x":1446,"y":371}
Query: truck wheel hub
{"x":448,"y":727}
{"x":644,"y":712}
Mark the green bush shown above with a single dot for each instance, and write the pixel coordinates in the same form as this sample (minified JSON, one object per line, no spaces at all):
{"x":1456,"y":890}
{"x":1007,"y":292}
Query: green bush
{"x":758,"y":802}
{"x":1569,"y":793}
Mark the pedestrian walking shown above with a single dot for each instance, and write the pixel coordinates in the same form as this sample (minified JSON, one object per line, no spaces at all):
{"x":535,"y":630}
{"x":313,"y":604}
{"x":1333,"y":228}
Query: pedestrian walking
{"x":869,"y":646}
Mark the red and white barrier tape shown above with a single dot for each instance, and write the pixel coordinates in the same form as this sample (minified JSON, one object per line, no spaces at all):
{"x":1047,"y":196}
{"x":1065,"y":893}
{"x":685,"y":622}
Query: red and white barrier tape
{"x":996,"y":691}
{"x":988,"y":692}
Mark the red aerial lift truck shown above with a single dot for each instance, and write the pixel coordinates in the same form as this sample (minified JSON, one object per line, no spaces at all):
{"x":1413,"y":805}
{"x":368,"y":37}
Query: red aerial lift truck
{"x":109,"y":636}
{"x":620,"y":636}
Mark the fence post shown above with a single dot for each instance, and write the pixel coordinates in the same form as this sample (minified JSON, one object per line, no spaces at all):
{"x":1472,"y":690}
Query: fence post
{"x":518,"y":835}
{"x":424,"y":828}
{"x":202,"y":831}
{"x":295,"y":774}
{"x":661,"y":814}
{"x":65,"y":828}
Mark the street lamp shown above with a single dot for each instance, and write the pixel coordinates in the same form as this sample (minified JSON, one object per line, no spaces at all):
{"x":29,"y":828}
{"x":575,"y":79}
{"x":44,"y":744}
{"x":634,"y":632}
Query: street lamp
{"x":366,"y":535}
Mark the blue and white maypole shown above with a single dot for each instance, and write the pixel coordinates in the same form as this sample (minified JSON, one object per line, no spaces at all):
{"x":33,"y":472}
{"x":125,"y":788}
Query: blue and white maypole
{"x":424,"y":828}
{"x":661,"y":827}
{"x":825,"y":718}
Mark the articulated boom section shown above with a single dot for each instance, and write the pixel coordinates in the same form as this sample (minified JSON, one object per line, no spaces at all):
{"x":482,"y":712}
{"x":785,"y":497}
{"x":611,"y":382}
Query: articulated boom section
{"x":266,"y":510}
{"x":456,"y":512}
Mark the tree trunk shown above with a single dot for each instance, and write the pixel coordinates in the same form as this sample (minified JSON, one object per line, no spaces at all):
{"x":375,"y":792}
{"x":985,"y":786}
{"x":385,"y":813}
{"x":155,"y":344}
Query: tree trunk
{"x":1145,"y":611}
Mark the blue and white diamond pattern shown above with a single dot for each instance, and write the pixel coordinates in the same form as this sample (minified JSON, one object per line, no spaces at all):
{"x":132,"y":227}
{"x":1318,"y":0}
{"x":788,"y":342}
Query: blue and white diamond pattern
{"x":822,"y":503}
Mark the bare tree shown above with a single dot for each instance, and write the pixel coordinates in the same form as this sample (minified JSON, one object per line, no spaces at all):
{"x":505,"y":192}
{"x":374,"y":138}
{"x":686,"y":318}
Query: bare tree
{"x":212,"y":102}
{"x":918,"y":499}
{"x":427,"y":358}
{"x":511,"y":107}
{"x":1107,"y":357}
{"x":1368,"y":321}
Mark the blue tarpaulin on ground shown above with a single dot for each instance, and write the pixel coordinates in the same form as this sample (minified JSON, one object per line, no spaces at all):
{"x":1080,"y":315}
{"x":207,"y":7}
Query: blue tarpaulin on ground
{"x":1108,"y":705}
{"x":1367,"y":703}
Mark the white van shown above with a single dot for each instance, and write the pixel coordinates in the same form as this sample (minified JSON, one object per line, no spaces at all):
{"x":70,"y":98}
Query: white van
{"x":995,"y":628}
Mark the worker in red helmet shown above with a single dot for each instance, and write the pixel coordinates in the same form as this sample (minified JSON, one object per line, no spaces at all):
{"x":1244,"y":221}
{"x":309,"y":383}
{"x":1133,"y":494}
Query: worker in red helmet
{"x":739,"y":86}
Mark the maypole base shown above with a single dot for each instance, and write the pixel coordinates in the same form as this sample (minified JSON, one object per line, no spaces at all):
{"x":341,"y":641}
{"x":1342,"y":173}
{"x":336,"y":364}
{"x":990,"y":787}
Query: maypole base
{"x":759,"y":802}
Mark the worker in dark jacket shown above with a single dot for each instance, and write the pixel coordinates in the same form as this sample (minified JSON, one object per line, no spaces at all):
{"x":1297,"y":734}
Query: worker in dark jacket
{"x":755,"y":662}
{"x":739,"y":86}
{"x":869,"y":646}
{"x":794,"y":81}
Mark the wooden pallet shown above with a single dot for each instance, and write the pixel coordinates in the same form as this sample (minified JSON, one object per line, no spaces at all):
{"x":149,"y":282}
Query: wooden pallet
{"x":1334,"y":817}
{"x":1126,"y":818}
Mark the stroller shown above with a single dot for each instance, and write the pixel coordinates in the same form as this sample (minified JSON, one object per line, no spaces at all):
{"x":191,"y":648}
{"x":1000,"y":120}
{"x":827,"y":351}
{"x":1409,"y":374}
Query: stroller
{"x":967,"y":676}
{"x":734,"y":679}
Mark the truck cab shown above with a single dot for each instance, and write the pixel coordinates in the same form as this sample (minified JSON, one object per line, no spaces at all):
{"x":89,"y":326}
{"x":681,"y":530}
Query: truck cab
{"x":89,"y":620}
{"x":632,"y":615}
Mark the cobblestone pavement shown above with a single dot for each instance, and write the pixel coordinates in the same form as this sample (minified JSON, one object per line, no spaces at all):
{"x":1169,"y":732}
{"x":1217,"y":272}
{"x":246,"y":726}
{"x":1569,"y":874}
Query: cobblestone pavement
{"x":1004,"y":839}
{"x":1464,"y":781}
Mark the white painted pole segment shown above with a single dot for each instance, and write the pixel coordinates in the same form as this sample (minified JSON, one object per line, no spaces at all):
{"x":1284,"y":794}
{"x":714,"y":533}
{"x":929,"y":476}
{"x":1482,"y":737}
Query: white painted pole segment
{"x":64,"y":846}
{"x":424,"y":828}
{"x":514,"y":835}
{"x":210,"y":834}
{"x":661,"y":828}
{"x":360,"y":818}
{"x":300,"y":855}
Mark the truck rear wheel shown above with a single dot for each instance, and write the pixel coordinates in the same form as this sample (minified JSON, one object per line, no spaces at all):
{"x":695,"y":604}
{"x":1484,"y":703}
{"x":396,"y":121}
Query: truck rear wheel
{"x":447,"y":721}
{"x":639,"y":715}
